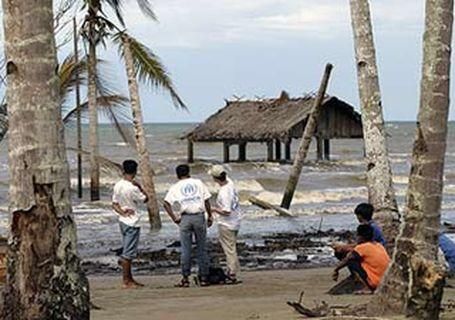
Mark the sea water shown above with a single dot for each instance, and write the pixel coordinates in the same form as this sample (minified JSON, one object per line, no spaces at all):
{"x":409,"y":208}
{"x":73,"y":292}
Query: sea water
{"x":327,"y":193}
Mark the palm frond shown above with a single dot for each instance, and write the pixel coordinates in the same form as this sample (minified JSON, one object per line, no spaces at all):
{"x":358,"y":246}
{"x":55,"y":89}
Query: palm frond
{"x":118,"y":116}
{"x":146,"y":8}
{"x":106,"y":164}
{"x":148,"y":66}
{"x":117,"y":102}
{"x":116,"y":6}
{"x":71,"y":73}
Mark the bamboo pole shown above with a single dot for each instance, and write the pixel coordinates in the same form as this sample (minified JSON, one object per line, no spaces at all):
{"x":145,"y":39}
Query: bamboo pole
{"x":308,"y":133}
{"x":78,"y":116}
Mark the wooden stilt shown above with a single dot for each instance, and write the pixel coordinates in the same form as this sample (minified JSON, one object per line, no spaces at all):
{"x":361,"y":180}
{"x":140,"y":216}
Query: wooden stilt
{"x":270,"y":151}
{"x":288,"y":150}
{"x":327,"y":149}
{"x":319,"y":148}
{"x":190,"y":151}
{"x":242,"y":151}
{"x":226,"y":147}
{"x":277,"y":150}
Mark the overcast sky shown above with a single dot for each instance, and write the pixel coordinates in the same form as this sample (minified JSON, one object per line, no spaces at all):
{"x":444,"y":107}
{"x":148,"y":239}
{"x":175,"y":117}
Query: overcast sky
{"x":215,"y":49}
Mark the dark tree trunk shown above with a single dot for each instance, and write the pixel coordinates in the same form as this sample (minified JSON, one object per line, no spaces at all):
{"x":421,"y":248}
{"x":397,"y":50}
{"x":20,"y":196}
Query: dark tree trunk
{"x":414,"y":283}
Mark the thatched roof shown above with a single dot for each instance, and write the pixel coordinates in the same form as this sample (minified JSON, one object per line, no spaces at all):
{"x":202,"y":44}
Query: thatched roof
{"x":262,"y":120}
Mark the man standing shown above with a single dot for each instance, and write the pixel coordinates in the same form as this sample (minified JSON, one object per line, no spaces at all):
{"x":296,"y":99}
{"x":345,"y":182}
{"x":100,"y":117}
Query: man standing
{"x":186,"y":203}
{"x":128,"y":194}
{"x":228,"y":218}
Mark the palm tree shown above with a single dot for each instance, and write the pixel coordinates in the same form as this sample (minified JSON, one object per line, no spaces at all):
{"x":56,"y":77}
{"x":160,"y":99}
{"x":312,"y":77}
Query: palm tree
{"x":379,"y":173}
{"x":414,"y":284}
{"x":142,"y":63}
{"x":96,"y":29}
{"x":45,"y":280}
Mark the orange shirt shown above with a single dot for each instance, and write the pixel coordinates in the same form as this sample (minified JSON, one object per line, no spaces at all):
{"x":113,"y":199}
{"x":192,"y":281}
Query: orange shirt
{"x":374,"y":260}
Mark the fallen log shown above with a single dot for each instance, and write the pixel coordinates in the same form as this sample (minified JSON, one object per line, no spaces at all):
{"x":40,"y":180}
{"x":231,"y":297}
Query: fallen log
{"x":268,"y":206}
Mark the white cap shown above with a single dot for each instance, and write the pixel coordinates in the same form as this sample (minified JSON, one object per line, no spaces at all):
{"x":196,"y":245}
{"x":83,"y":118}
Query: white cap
{"x":217,"y":170}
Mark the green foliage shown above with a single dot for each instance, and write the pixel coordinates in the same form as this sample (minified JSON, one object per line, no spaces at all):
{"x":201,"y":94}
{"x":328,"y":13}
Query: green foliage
{"x":148,"y":66}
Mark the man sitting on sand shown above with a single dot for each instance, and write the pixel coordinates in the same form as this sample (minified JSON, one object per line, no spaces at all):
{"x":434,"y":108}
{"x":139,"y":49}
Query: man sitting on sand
{"x":191,"y":199}
{"x":368,"y":261}
{"x":364,"y":214}
{"x":127,"y":195}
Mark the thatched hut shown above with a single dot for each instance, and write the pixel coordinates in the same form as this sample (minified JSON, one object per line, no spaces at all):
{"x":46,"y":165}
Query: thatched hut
{"x":275,"y":122}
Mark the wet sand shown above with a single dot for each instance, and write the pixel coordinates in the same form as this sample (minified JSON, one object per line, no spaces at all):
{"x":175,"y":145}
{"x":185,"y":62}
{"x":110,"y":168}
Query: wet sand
{"x":263,"y":295}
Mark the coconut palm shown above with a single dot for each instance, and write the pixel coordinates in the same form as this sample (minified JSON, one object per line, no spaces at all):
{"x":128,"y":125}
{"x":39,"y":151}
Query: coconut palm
{"x":45,"y":279}
{"x":96,"y":29}
{"x":142,"y":63}
{"x":414,"y":283}
{"x":379,"y":173}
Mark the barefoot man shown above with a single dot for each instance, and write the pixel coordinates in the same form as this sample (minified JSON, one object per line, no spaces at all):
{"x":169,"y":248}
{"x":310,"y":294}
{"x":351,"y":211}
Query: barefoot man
{"x":128,"y":194}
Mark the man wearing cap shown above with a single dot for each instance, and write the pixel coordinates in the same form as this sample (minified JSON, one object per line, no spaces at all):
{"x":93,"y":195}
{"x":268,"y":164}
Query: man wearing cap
{"x":228,"y":217}
{"x":186,"y":203}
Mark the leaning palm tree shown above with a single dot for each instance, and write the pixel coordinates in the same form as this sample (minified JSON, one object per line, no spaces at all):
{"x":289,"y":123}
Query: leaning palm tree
{"x":96,"y":28}
{"x":142,"y":63}
{"x":45,"y":279}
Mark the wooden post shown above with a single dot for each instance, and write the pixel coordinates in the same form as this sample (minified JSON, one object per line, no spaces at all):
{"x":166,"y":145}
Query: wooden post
{"x":327,"y":149}
{"x":190,"y":151}
{"x":242,"y":151}
{"x":226,"y":156}
{"x":78,"y":115}
{"x":319,"y":148}
{"x":287,"y":151}
{"x":270,"y":151}
{"x":277,"y":150}
{"x":308,"y":134}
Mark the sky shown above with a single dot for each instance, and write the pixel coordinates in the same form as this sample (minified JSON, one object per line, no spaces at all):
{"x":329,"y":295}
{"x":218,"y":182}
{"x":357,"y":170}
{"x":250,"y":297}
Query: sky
{"x":215,"y":49}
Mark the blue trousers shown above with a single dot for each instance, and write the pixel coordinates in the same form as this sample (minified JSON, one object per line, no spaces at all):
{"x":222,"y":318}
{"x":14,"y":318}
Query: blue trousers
{"x":189,"y":225}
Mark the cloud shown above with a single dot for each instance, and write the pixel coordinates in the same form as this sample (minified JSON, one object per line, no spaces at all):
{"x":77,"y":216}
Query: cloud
{"x":199,"y":23}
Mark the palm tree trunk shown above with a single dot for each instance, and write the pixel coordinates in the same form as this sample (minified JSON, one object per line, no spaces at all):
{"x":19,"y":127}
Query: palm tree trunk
{"x":308,"y":133}
{"x":78,"y":117}
{"x":379,"y":173}
{"x":93,"y":119}
{"x":414,"y":284}
{"x":45,"y":280}
{"x":141,"y":143}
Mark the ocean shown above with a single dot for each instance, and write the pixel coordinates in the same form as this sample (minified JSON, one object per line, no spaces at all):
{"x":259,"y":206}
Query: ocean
{"x":326,"y":196}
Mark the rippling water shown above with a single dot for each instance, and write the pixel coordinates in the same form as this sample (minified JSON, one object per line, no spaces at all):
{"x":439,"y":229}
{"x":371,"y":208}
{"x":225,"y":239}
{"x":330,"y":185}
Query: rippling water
{"x":327,"y":190}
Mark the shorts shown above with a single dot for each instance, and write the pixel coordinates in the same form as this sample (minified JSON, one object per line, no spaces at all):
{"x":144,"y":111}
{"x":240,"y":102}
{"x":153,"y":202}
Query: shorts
{"x":130,"y":240}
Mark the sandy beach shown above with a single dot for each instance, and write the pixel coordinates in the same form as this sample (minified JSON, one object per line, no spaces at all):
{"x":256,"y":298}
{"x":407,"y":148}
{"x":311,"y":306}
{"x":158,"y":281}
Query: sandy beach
{"x":263,"y":295}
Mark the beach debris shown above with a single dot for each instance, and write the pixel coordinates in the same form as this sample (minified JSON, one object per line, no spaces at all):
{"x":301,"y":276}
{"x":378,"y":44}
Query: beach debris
{"x":308,"y":133}
{"x":320,"y":310}
{"x":268,"y":206}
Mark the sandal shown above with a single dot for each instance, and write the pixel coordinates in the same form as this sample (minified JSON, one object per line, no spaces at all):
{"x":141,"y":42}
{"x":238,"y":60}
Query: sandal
{"x":232,"y":279}
{"x":184,"y":283}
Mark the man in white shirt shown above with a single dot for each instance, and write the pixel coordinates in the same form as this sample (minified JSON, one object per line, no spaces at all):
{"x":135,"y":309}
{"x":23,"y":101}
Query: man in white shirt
{"x":128,"y":194}
{"x":228,"y":216}
{"x":186,"y":203}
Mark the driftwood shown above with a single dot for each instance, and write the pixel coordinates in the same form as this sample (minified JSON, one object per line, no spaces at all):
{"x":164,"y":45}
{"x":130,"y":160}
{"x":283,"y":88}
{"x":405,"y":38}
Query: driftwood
{"x":324,"y":310}
{"x":268,"y":206}
{"x":320,"y":310}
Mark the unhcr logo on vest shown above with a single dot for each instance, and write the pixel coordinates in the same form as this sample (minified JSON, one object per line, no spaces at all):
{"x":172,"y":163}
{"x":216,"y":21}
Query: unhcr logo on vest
{"x":188,"y":190}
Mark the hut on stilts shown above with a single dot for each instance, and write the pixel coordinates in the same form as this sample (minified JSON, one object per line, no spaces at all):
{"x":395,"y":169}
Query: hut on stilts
{"x":275,"y":122}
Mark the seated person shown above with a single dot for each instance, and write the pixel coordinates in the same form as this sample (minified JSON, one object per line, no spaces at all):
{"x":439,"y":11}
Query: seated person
{"x":364,"y":214}
{"x":368,"y":261}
